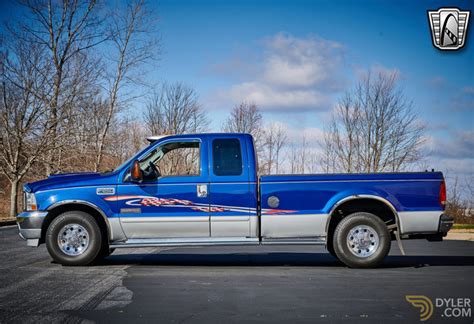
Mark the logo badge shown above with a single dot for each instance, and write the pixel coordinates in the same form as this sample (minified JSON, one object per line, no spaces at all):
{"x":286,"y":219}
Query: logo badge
{"x":449,"y":28}
{"x":105,"y":191}
{"x":423,"y":303}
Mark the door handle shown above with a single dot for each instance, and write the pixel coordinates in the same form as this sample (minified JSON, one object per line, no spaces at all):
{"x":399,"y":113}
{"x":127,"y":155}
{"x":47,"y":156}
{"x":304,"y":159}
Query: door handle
{"x":202,"y":190}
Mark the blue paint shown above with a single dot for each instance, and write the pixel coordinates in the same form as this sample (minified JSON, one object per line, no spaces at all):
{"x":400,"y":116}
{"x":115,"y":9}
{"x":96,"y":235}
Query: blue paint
{"x":300,"y":194}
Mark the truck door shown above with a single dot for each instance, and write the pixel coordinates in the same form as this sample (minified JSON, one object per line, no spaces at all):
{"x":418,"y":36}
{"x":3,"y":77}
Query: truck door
{"x":176,"y":204}
{"x":232,"y":199}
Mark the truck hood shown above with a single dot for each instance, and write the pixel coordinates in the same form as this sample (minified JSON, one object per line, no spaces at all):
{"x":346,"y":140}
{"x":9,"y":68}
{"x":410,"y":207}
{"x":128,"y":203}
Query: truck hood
{"x":68,"y":180}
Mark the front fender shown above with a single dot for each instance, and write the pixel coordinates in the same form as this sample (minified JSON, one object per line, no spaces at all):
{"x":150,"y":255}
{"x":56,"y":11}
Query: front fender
{"x":87,"y":196}
{"x":50,"y":199}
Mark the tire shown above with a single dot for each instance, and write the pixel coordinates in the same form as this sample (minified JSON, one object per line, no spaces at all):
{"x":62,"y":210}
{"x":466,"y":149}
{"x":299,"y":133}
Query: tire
{"x":361,"y":240}
{"x":74,"y":239}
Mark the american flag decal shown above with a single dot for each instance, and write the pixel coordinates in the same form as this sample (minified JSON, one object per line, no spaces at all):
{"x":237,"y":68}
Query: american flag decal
{"x":149,"y":201}
{"x":209,"y":209}
{"x":152,"y":201}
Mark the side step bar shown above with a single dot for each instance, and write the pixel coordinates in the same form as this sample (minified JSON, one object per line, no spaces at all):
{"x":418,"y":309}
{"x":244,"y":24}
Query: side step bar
{"x":198,"y":241}
{"x":315,"y":240}
{"x":206,"y":241}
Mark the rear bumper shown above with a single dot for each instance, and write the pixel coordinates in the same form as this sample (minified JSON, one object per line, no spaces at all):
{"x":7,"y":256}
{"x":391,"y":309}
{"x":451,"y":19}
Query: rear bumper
{"x":445,"y":223}
{"x":29,"y":224}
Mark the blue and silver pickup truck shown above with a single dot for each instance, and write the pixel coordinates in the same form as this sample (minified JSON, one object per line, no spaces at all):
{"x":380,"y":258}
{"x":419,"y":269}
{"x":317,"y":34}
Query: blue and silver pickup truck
{"x":203,"y":189}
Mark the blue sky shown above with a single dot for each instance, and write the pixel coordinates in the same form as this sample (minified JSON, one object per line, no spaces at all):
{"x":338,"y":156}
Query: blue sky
{"x":225,"y":48}
{"x":296,"y":58}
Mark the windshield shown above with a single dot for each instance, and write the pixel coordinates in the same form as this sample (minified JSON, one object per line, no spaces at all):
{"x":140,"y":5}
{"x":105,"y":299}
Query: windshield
{"x":153,"y":156}
{"x":130,"y":159}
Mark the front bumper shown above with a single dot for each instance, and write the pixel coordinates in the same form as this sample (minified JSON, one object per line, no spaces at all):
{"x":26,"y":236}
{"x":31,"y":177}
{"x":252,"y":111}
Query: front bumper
{"x":29,"y":225}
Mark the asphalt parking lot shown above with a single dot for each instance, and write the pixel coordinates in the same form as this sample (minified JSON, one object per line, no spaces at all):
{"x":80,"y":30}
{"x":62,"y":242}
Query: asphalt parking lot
{"x":230,"y":284}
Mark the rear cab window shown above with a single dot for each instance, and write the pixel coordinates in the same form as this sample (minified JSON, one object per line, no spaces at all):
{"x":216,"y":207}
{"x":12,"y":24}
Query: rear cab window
{"x":227,"y":157}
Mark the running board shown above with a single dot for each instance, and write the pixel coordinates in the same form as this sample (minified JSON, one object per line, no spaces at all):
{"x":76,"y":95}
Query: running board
{"x":198,"y":241}
{"x":315,"y":240}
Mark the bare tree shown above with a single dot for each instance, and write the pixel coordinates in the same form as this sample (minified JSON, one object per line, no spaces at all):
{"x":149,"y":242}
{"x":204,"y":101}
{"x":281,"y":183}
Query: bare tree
{"x":175,"y":110}
{"x":459,"y":203}
{"x":134,"y":46}
{"x":246,"y":118}
{"x":374,"y":128}
{"x":24,"y":133}
{"x":298,"y":156}
{"x":57,"y":106}
{"x":274,"y":139}
{"x":64,"y":30}
{"x":127,"y":137}
{"x":313,"y":162}
{"x":469,"y":191}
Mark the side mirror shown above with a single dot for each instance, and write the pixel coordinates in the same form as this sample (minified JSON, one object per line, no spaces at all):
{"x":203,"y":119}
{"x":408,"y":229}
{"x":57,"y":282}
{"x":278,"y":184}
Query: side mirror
{"x":136,"y":174}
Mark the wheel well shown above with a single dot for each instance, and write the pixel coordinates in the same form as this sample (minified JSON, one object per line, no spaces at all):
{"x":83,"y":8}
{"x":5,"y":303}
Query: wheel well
{"x":368,"y":205}
{"x":55,"y":212}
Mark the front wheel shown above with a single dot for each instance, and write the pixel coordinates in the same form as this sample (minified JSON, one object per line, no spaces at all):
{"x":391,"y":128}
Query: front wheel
{"x":361,"y":240}
{"x":74,"y":238}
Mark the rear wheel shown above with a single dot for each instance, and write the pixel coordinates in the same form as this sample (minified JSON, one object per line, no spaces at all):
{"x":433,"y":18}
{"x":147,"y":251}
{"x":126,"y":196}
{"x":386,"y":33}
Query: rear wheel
{"x":361,"y":240}
{"x":74,"y":238}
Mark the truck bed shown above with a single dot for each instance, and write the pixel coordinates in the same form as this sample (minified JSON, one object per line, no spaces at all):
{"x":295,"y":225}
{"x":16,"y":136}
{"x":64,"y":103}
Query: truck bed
{"x":293,"y":204}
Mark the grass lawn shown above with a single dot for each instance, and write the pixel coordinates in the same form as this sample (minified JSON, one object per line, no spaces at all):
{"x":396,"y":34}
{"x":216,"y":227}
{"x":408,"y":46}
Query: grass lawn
{"x":463,"y":226}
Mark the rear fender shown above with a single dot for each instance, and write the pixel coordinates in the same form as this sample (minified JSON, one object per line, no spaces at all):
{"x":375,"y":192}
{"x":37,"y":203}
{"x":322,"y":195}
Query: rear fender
{"x":344,"y":197}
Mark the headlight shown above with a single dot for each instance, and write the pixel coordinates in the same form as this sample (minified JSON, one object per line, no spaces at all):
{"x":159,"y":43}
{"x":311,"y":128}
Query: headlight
{"x":30,"y":201}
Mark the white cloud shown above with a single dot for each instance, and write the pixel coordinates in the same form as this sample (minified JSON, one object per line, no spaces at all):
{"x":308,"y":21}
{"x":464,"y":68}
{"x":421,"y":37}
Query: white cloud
{"x":453,"y":155}
{"x":437,"y":82}
{"x":294,"y":135}
{"x":468,"y":89}
{"x":292,"y":73}
{"x":296,"y":62}
{"x":377,"y":69}
{"x":268,"y":97}
{"x":460,"y":145}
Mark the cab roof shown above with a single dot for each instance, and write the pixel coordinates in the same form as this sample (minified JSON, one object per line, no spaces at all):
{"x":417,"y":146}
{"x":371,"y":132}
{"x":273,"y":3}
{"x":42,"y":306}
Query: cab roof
{"x":155,"y":138}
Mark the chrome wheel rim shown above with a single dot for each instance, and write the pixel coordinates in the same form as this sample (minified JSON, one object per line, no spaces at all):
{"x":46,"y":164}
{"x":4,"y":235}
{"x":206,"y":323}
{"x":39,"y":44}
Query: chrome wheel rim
{"x":73,"y":239}
{"x":362,"y":241}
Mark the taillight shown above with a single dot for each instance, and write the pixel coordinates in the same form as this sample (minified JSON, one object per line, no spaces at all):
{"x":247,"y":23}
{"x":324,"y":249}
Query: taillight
{"x":442,"y":194}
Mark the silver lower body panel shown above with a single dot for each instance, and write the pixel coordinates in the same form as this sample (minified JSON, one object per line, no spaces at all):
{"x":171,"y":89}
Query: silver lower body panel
{"x":290,"y":226}
{"x":419,"y":222}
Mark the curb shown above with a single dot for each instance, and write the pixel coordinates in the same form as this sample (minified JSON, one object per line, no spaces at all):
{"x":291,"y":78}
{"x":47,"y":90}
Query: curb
{"x":7,"y":223}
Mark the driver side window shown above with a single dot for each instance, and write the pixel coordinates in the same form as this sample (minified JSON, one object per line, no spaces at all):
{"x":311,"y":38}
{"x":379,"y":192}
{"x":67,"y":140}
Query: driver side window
{"x":179,"y":159}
